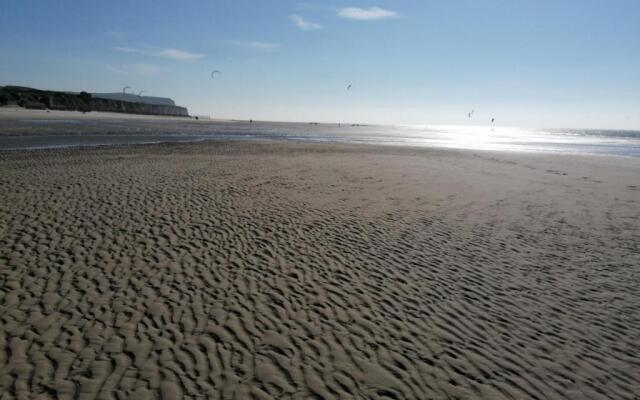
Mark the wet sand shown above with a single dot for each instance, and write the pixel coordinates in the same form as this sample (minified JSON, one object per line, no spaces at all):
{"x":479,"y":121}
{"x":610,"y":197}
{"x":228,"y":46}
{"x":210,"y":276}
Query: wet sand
{"x":238,"y":270}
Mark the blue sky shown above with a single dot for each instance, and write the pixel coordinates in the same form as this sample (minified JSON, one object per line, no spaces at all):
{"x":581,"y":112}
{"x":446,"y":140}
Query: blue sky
{"x":561,"y":63}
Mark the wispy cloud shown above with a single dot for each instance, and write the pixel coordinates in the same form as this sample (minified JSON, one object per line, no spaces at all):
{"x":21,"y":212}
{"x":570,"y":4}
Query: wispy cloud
{"x":177,"y":54}
{"x":116,"y":34}
{"x":256,"y":45}
{"x":366,"y":14}
{"x":126,"y":49}
{"x":173,"y":54}
{"x":304,"y":24}
{"x":139,"y":69}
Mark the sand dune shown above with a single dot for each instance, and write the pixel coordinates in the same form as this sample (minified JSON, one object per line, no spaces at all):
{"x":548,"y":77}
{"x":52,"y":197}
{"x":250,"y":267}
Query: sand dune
{"x":284,"y":271}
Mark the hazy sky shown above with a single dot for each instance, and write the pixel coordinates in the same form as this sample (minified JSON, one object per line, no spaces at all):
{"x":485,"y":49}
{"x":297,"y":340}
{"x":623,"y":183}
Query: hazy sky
{"x":541,"y":63}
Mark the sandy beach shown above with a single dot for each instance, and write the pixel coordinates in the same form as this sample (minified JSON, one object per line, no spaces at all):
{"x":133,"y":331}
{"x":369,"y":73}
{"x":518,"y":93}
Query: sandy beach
{"x":267,"y":270}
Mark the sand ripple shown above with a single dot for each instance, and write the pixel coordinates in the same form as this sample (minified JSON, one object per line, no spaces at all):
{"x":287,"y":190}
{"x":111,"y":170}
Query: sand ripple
{"x":257,"y":271}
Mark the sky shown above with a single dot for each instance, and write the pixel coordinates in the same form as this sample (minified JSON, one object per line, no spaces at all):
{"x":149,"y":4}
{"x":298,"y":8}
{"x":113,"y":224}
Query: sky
{"x":542,"y":63}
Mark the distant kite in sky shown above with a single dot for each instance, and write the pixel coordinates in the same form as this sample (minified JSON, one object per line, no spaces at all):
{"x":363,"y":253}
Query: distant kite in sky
{"x":140,"y":93}
{"x":349,"y":87}
{"x":214,"y":72}
{"x":124,"y":89}
{"x":492,"y":119}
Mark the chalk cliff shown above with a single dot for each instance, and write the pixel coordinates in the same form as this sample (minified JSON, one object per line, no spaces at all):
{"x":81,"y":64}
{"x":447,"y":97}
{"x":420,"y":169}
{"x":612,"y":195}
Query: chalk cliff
{"x":83,"y":101}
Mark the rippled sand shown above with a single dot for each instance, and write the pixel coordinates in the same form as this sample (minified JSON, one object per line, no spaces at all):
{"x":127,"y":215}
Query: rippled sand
{"x":285,"y":271}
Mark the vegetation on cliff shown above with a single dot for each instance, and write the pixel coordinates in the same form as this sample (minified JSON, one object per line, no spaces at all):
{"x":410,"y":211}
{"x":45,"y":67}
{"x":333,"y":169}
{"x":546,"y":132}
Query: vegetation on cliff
{"x":51,"y":100}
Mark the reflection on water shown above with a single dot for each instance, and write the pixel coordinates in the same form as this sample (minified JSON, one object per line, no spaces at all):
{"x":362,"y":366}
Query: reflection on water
{"x":49,"y":121}
{"x":92,"y":133}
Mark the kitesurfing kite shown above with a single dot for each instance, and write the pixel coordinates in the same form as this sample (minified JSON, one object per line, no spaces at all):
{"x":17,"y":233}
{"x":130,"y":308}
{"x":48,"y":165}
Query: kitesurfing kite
{"x":124,"y":89}
{"x":140,"y":93}
{"x":214,"y":72}
{"x":349,"y":87}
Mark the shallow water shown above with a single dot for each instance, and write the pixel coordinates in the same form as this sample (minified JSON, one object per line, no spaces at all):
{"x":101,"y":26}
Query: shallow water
{"x":33,"y":134}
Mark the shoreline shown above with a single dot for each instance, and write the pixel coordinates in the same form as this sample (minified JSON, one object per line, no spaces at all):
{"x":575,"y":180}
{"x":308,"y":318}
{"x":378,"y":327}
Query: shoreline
{"x":230,"y":138}
{"x":43,"y":131}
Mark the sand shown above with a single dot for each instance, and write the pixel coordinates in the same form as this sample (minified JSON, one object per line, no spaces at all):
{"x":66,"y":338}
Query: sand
{"x":16,"y":121}
{"x":8,"y":113}
{"x":249,"y":270}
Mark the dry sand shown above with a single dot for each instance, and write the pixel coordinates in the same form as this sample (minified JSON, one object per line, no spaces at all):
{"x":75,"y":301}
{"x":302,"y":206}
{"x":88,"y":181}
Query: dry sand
{"x":14,"y":112}
{"x":15,"y":121}
{"x":293,"y":271}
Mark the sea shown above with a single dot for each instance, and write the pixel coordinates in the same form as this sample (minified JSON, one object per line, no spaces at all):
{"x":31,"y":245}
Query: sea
{"x":57,"y":133}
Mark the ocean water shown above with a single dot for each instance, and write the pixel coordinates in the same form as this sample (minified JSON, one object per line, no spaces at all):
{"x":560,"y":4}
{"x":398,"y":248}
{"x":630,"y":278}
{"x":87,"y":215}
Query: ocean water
{"x":71,"y":133}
